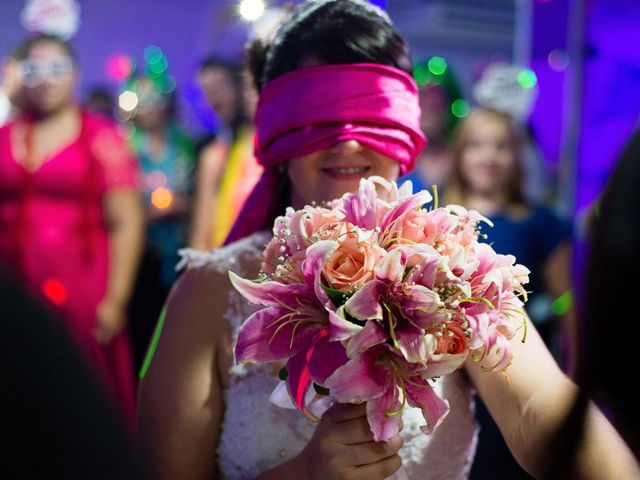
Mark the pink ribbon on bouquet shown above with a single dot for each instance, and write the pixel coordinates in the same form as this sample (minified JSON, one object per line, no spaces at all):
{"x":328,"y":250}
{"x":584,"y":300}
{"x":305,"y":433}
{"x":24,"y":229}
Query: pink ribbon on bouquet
{"x":313,"y":108}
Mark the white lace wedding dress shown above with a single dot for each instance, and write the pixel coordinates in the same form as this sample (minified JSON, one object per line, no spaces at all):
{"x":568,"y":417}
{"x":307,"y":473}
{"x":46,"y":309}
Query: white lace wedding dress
{"x":257,"y":435}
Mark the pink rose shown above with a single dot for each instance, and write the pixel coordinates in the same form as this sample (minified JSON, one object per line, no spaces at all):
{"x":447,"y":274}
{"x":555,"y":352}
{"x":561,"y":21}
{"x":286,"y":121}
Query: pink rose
{"x":351,"y":265}
{"x":452,"y":341}
{"x":416,"y":227}
{"x":426,"y":227}
{"x":325,"y":223}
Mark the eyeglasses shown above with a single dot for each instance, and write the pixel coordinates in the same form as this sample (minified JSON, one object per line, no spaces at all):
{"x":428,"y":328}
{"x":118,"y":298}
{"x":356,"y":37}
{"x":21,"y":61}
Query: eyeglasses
{"x":35,"y":72}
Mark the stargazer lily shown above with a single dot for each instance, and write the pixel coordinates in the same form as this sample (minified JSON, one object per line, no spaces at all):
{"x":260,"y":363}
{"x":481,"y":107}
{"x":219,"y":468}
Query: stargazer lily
{"x":386,"y":382}
{"x":291,"y":327}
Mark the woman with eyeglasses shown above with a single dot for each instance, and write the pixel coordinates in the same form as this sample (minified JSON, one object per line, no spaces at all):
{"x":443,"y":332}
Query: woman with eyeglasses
{"x":70,"y":213}
{"x":167,"y":161}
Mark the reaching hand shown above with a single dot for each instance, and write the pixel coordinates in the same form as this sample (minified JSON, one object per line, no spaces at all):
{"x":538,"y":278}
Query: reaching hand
{"x":342,"y":447}
{"x":111,"y":321}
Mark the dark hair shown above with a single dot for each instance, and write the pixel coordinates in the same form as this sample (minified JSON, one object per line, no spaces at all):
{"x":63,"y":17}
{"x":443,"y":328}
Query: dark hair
{"x":612,"y":271}
{"x":171,"y":105}
{"x":333,"y":32}
{"x":613,"y":268}
{"x":232,"y":68}
{"x":213,"y":61}
{"x":235,"y":72}
{"x":22,"y":50}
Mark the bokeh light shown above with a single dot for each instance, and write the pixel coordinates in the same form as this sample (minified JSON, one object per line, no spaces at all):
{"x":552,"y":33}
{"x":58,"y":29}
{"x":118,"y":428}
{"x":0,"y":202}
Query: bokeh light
{"x":158,"y":66}
{"x":161,"y":198}
{"x":561,"y":305}
{"x":128,"y":130}
{"x":421,"y":74}
{"x":437,"y":65}
{"x":55,"y":291}
{"x":153,"y":54}
{"x":119,"y":67}
{"x":128,"y":101}
{"x":460,"y":108}
{"x":169,"y":84}
{"x":251,"y":9}
{"x":558,"y":60}
{"x":527,"y":79}
{"x":156,"y":179}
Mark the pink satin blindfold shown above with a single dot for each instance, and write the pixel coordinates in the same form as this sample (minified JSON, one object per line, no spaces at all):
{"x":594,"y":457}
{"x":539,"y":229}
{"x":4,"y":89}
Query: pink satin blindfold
{"x":313,"y":108}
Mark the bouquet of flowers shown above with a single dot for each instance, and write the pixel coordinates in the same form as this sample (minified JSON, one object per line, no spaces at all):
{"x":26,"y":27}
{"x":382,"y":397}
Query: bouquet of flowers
{"x":373,"y":297}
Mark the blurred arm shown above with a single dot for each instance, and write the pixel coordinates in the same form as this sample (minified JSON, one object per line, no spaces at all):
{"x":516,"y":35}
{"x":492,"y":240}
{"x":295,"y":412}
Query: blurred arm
{"x":209,"y":172}
{"x":179,"y":404}
{"x":124,"y":219}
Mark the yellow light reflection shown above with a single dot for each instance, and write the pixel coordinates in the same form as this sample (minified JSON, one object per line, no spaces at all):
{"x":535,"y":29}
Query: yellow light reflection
{"x":161,"y":198}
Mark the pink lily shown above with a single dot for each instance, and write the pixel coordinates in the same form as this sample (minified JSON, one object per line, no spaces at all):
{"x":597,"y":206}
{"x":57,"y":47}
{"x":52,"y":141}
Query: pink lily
{"x":414,"y":309}
{"x":382,"y":379}
{"x":422,"y":306}
{"x":313,"y":364}
{"x":393,"y":218}
{"x":300,"y":335}
{"x":283,"y":328}
{"x":361,"y":209}
{"x":293,"y":326}
{"x":441,"y":364}
{"x":316,"y":256}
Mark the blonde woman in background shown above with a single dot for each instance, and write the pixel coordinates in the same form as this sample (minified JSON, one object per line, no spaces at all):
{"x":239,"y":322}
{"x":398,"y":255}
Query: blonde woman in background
{"x":487,"y":177}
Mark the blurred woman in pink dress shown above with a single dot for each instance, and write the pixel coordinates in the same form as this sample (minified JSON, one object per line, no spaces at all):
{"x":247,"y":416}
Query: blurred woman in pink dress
{"x":70,"y":213}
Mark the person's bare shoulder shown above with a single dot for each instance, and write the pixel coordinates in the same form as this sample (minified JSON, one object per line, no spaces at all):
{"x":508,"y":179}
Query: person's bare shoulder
{"x":191,"y":329}
{"x":180,"y":399}
{"x":197,"y":304}
{"x":197,"y":295}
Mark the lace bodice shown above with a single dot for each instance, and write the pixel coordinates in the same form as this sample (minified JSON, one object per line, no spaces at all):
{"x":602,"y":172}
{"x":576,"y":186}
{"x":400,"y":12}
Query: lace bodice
{"x":257,"y":435}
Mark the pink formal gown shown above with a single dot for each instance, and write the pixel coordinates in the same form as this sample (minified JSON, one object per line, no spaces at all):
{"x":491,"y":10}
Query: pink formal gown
{"x":53,"y":236}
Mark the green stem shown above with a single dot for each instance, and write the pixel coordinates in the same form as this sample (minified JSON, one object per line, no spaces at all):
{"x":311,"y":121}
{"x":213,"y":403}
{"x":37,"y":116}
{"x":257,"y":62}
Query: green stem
{"x":154,"y":343}
{"x":391,"y":329}
{"x":478,"y":300}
